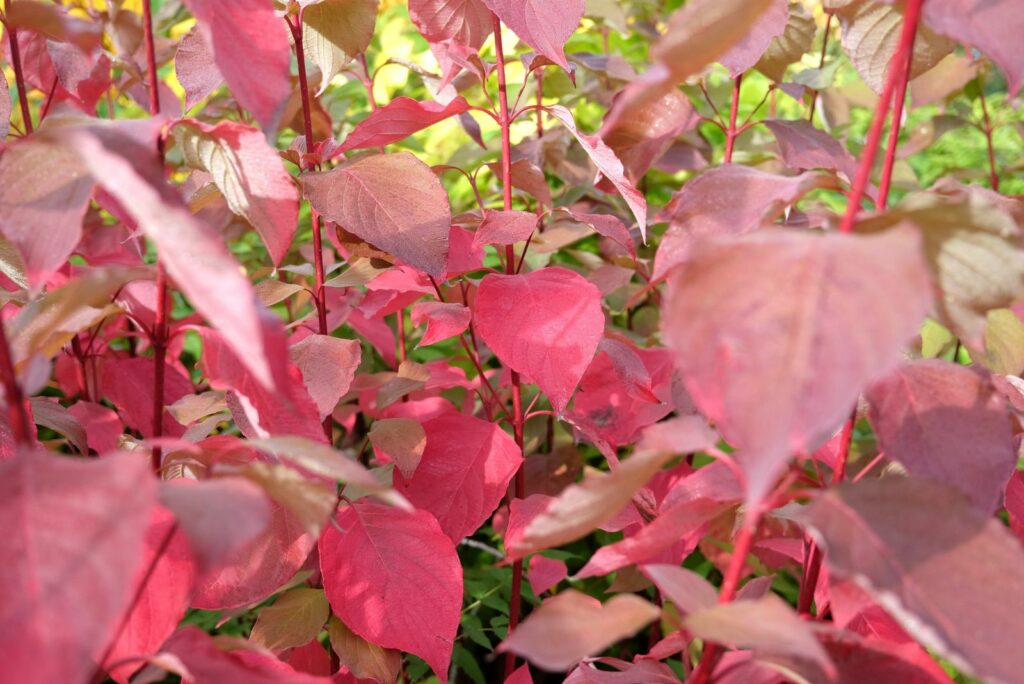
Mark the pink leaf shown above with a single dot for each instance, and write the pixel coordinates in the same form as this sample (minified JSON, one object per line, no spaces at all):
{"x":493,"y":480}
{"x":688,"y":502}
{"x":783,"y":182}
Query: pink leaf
{"x":194,"y":257}
{"x":128,"y":384}
{"x":463,"y":474}
{"x":505,"y":227}
{"x":467,"y":22}
{"x":838,"y":317}
{"x":162,"y":602}
{"x":545,"y":324}
{"x":5,"y":107}
{"x":688,"y":591}
{"x":707,"y":207}
{"x":641,"y":139}
{"x":399,"y":119}
{"x":195,"y":68}
{"x":545,"y":573}
{"x":929,"y":414}
{"x":394,"y":579}
{"x":102,"y":426}
{"x":992,"y":26}
{"x":328,"y":365}
{"x":393,"y":201}
{"x":914,"y":546}
{"x":520,"y":676}
{"x":1015,"y":503}
{"x":73,"y":536}
{"x":746,"y":53}
{"x":608,"y":164}
{"x":571,"y":626}
{"x":542,"y":24}
{"x":443,"y":320}
{"x":252,"y":49}
{"x":642,"y":671}
{"x":219,"y":516}
{"x":802,"y":146}
{"x":250,"y":175}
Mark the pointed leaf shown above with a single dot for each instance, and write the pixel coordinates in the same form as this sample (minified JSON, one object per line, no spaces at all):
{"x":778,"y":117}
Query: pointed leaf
{"x":328,"y":365}
{"x":466,"y":22}
{"x":640,"y":140}
{"x":545,"y":573}
{"x":839,"y":317}
{"x":336,"y":31}
{"x":195,"y":68}
{"x":542,"y":24}
{"x":802,"y":146}
{"x":545,"y":324}
{"x":444,"y":320}
{"x":688,"y":591}
{"x":796,"y":40}
{"x":363,"y":659}
{"x":203,"y":662}
{"x":746,"y":53}
{"x":402,"y":440}
{"x":295,"y":618}
{"x":505,"y":227}
{"x":399,"y":119}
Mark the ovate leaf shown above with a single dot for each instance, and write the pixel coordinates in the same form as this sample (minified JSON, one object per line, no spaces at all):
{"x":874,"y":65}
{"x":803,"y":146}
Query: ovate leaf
{"x":399,"y":119}
{"x":746,"y":53}
{"x":542,"y":24}
{"x":335,"y":31}
{"x":295,"y":618}
{"x":796,"y":40}
{"x":466,"y":22}
{"x":363,"y":659}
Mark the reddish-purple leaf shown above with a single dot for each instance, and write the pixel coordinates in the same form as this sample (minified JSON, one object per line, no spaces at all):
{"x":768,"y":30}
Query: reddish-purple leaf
{"x":992,"y":26}
{"x":641,"y":139}
{"x":688,"y":591}
{"x":542,"y":24}
{"x":1015,"y":503}
{"x":643,"y":671}
{"x":5,"y":107}
{"x":745,"y":54}
{"x":161,"y":603}
{"x":545,"y":573}
{"x":73,"y":537}
{"x":393,"y":578}
{"x":328,"y":366}
{"x":505,"y":227}
{"x":571,"y":626}
{"x":466,"y":22}
{"x":122,"y":156}
{"x":520,"y":676}
{"x":393,"y":201}
{"x":252,"y":49}
{"x":219,"y":516}
{"x":85,"y":77}
{"x":707,"y":206}
{"x":249,"y":174}
{"x":545,"y":324}
{"x":463,"y":474}
{"x":945,"y":421}
{"x":803,"y":147}
{"x":607,"y":163}
{"x":837,"y":317}
{"x":915,"y":546}
{"x":195,"y":68}
{"x":399,"y":119}
{"x":103,"y":427}
{"x":443,"y":320}
{"x":128,"y":384}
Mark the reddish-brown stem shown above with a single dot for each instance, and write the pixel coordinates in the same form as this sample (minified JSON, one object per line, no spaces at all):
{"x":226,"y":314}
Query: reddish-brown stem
{"x":19,"y":78}
{"x":730,"y":584}
{"x":17,"y":416}
{"x":894,"y":131}
{"x":993,"y":175}
{"x":731,"y":133}
{"x":154,"y":83}
{"x":896,"y":72}
{"x":821,"y":64}
{"x":510,"y":267}
{"x":400,"y":329}
{"x":540,"y":103}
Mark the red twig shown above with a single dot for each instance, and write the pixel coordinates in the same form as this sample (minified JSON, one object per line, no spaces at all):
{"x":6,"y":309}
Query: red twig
{"x":510,"y":266}
{"x":19,"y":77}
{"x":894,"y":131}
{"x":732,"y":132}
{"x":17,"y":416}
{"x":993,"y":175}
{"x":821,"y":65}
{"x":896,"y":73}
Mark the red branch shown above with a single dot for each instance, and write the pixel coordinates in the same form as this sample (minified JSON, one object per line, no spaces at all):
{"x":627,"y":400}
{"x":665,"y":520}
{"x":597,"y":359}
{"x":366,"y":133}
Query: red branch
{"x":993,"y":175}
{"x":733,"y":132}
{"x":17,"y":416}
{"x":19,"y":77}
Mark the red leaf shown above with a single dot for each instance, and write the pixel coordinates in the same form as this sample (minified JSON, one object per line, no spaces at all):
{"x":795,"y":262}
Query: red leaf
{"x":545,"y":573}
{"x":545,"y":324}
{"x":802,"y":146}
{"x":688,"y":591}
{"x":505,"y":227}
{"x":641,"y":139}
{"x":162,"y":602}
{"x":467,"y":22}
{"x":746,"y":53}
{"x":250,"y":175}
{"x":463,"y":474}
{"x":399,"y":119}
{"x":205,"y":663}
{"x":193,"y":255}
{"x":571,"y":626}
{"x":73,"y":537}
{"x":544,"y":25}
{"x":929,"y":414}
{"x":914,"y":546}
{"x":195,"y":68}
{"x":443,"y":320}
{"x":252,"y":49}
{"x":520,"y":676}
{"x":219,"y":517}
{"x":607,"y":163}
{"x":707,"y":207}
{"x":128,"y":384}
{"x":393,"y":201}
{"x":1015,"y":503}
{"x":328,"y":365}
{"x":838,"y":319}
{"x":992,"y":26}
{"x":394,"y":579}
{"x":103,"y":427}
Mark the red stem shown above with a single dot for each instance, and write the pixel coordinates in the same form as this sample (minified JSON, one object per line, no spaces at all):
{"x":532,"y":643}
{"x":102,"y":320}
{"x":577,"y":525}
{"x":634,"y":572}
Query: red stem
{"x":17,"y":416}
{"x":154,"y":83}
{"x":510,"y":266}
{"x":894,"y":131}
{"x":19,"y":78}
{"x":896,"y":73}
{"x":821,"y":65}
{"x":993,"y":175}
{"x":732,"y":132}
